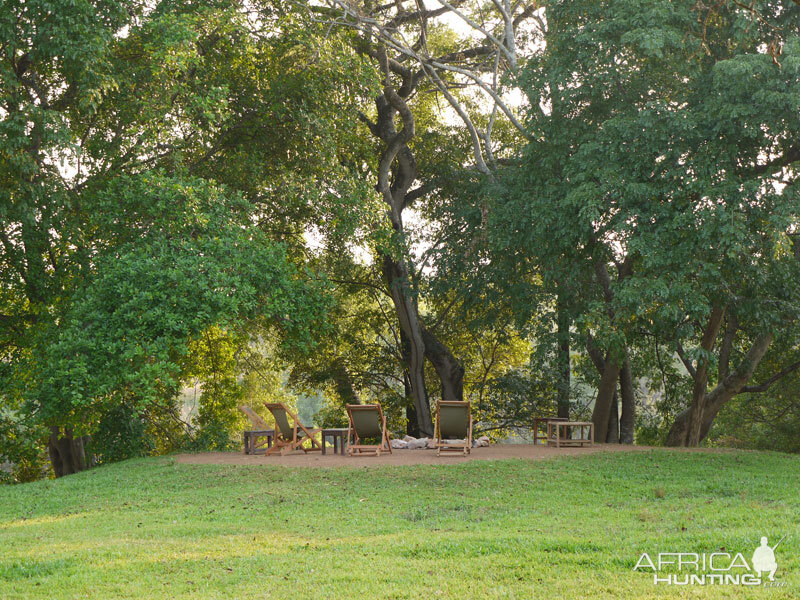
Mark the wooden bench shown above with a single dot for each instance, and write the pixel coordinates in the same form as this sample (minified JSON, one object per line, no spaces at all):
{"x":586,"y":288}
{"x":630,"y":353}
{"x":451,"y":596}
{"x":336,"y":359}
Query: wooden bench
{"x":556,"y":438}
{"x":538,"y":421}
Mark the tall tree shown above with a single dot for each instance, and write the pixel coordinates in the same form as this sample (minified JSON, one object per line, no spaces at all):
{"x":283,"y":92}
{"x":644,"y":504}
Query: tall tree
{"x":405,"y":41}
{"x":99,"y":94}
{"x":664,"y":184}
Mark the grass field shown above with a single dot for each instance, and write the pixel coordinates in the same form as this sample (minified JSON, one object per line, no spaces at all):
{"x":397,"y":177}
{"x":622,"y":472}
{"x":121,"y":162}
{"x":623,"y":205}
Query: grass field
{"x":570,"y":527}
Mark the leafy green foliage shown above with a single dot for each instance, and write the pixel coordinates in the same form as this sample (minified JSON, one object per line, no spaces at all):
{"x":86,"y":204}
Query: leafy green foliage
{"x":21,"y":448}
{"x":155,"y":185}
{"x":120,"y":434}
{"x":193,"y":268}
{"x":663,"y":153}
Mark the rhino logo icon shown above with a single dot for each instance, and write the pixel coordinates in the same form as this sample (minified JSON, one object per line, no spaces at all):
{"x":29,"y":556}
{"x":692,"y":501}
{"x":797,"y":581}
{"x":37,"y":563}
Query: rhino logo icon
{"x":764,"y":559}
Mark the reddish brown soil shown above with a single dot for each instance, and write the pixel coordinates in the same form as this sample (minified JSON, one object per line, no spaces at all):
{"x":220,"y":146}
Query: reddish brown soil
{"x":398,"y":457}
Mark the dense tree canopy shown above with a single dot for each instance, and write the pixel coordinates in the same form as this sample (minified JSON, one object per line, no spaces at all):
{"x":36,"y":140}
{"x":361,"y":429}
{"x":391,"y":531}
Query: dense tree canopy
{"x":584,"y":208}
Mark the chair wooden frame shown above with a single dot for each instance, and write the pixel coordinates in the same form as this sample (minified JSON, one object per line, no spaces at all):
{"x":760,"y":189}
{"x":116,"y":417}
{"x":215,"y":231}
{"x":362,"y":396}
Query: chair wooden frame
{"x":354,"y":445}
{"x":300,"y":433}
{"x":448,"y":447}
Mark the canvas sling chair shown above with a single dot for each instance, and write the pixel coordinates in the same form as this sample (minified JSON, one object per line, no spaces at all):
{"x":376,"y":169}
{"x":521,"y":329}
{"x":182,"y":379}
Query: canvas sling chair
{"x":453,"y":427}
{"x":367,"y":421}
{"x":290,"y":437}
{"x":259,"y":424}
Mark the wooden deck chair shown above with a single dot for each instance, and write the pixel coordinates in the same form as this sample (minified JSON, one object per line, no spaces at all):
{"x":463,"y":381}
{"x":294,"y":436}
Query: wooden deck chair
{"x":453,"y":424}
{"x":290,"y":437}
{"x":259,"y":424}
{"x":367,"y":421}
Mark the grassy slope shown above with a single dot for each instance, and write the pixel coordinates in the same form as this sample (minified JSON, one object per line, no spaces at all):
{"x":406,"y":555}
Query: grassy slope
{"x":565,"y":528}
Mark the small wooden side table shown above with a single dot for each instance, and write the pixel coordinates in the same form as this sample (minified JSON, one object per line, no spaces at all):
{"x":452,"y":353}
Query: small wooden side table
{"x":538,"y":421}
{"x":335,"y":434}
{"x":251,"y":439}
{"x":585,"y":433}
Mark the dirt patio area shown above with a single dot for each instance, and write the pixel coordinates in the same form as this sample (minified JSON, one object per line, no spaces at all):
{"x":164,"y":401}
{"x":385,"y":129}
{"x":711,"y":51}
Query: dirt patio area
{"x":398,"y":457}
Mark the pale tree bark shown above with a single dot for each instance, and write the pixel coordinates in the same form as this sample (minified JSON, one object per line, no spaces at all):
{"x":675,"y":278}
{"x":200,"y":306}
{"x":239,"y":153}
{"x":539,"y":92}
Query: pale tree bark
{"x":402,"y":26}
{"x":397,"y":171}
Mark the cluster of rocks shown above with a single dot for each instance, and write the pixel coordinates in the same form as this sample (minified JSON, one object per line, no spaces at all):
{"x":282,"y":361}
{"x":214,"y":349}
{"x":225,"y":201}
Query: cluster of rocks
{"x":411,"y":443}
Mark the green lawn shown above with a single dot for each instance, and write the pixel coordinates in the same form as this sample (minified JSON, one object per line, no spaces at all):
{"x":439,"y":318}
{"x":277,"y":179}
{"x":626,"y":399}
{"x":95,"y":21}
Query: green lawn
{"x":572,"y":527}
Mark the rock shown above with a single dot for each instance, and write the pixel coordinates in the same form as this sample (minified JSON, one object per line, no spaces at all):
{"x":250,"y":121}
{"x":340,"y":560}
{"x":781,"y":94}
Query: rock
{"x":408,"y":438}
{"x":418,"y":444}
{"x":398,"y":444}
{"x":431,"y":444}
{"x":482,"y":441}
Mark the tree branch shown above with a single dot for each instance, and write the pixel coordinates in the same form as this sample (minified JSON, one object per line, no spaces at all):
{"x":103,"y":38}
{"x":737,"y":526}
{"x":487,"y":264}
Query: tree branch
{"x":727,"y":344}
{"x":763,"y":387}
{"x":686,"y":362}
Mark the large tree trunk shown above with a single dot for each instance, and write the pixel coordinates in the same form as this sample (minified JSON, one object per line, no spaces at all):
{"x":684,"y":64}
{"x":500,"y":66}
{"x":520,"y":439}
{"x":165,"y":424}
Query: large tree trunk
{"x":606,"y":395}
{"x":606,"y":391}
{"x":612,"y":435}
{"x":697,"y":407}
{"x":408,"y":317}
{"x":609,"y":366}
{"x":628,"y":420}
{"x":397,"y":171}
{"x":67,"y":453}
{"x":412,"y":423}
{"x":449,"y":370}
{"x":563,"y":359}
{"x":693,"y":424}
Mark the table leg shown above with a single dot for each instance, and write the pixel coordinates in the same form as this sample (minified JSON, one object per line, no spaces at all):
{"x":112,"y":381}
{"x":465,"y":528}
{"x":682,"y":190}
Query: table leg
{"x":323,"y":446}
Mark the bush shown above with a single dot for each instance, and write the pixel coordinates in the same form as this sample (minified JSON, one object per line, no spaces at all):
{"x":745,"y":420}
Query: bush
{"x":22,"y":449}
{"x":121,"y":434}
